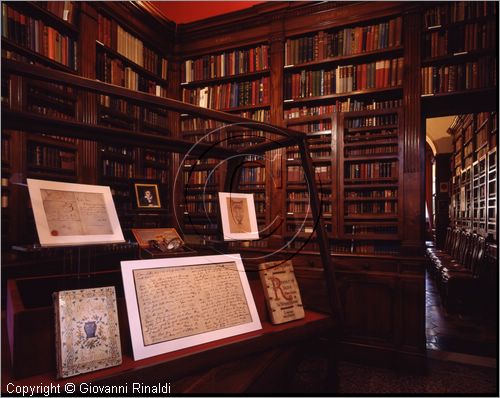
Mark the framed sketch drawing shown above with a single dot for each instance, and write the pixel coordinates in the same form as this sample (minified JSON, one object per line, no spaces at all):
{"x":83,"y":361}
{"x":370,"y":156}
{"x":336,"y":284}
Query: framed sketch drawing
{"x":73,"y":214}
{"x":174,"y":303}
{"x":239,"y":221}
{"x":147,"y":196}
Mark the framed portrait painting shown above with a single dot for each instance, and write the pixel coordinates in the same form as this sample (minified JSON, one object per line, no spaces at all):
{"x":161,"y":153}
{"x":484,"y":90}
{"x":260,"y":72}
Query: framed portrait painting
{"x":239,"y":220}
{"x":147,"y":195}
{"x":68,"y":214}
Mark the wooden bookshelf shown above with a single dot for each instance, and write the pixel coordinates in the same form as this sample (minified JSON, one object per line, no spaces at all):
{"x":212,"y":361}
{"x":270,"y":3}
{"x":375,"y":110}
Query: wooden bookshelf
{"x":368,"y":208}
{"x":459,"y":41}
{"x":471,"y":176}
{"x":123,"y":59}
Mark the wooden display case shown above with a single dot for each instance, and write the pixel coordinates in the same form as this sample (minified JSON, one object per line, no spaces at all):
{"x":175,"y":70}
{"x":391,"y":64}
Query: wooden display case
{"x":210,"y":367}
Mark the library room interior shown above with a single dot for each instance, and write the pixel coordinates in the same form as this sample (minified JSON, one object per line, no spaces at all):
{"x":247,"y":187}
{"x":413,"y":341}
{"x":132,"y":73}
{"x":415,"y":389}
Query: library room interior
{"x":249,"y":197}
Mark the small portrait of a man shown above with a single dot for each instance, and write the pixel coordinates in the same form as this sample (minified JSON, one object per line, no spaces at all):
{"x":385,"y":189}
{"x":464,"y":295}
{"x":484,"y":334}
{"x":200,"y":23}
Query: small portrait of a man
{"x":239,"y":221}
{"x":147,"y":196}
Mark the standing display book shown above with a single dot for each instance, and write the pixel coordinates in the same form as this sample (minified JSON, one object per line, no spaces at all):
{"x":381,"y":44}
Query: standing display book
{"x":282,"y":291}
{"x":87,"y":330}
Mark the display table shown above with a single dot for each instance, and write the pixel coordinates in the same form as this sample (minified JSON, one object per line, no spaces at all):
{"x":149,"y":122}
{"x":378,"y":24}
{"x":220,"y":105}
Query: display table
{"x":259,"y":361}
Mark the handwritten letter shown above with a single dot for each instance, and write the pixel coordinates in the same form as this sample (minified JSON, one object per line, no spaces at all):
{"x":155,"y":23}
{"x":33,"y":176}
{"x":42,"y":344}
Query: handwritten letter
{"x":75,"y":213}
{"x":183,"y":301}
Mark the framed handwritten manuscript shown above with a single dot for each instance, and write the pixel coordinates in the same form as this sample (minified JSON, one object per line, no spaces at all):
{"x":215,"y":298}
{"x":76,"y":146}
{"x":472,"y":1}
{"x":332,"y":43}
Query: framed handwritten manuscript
{"x":239,"y":220}
{"x":73,"y":214}
{"x":174,"y":303}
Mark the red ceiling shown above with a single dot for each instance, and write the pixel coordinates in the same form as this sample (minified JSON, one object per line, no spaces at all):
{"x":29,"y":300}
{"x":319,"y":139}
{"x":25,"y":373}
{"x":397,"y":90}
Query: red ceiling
{"x":189,"y":11}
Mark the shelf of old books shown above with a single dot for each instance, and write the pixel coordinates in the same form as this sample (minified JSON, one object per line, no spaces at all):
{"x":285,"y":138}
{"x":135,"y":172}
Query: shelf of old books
{"x":369,"y":194}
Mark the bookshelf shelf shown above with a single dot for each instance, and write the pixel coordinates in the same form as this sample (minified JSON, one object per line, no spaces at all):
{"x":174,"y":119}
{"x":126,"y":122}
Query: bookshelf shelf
{"x":6,"y":43}
{"x":357,"y":93}
{"x":143,"y":71}
{"x":230,"y":78}
{"x":456,"y":57}
{"x":367,"y":55}
{"x":32,"y":8}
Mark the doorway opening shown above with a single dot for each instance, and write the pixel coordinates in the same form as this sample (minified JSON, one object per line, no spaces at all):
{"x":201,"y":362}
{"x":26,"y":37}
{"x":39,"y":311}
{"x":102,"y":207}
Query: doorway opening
{"x":463,"y":331}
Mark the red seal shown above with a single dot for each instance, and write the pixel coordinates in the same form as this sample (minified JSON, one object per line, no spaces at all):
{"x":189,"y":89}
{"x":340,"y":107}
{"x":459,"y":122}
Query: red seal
{"x":54,"y":232}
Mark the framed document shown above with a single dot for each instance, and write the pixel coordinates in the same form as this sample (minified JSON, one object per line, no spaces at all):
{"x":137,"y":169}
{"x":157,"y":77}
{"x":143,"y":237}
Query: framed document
{"x":87,"y":330}
{"x":147,"y":196}
{"x":239,"y":221}
{"x":73,"y":214}
{"x":174,"y":303}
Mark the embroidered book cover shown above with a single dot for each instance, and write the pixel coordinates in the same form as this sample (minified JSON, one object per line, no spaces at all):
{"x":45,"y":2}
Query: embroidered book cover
{"x":281,"y":291}
{"x":87,"y":330}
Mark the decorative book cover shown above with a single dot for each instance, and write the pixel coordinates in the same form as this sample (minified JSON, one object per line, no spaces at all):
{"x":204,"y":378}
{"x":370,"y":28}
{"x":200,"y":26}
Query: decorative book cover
{"x":282,"y":291}
{"x":87,"y":330}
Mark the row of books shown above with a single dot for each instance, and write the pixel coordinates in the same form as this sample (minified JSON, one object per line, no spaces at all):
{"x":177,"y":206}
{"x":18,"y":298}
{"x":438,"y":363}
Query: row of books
{"x":460,"y":39}
{"x":385,"y":207}
{"x":372,"y":121}
{"x":371,"y":170}
{"x":35,"y":35}
{"x":253,"y":175}
{"x":372,"y":150}
{"x":200,"y":177}
{"x":344,"y":79}
{"x":296,"y":173}
{"x":370,"y":229}
{"x":344,"y":42}
{"x":200,"y":207}
{"x":304,"y":207}
{"x":458,"y":11}
{"x":64,"y":10}
{"x":196,"y":123}
{"x":294,"y":228}
{"x":49,"y":111}
{"x":377,"y":193}
{"x":249,"y":243}
{"x":314,"y":126}
{"x":226,"y":64}
{"x":115,"y":37}
{"x":201,"y":197}
{"x":5,"y":201}
{"x":5,"y":150}
{"x":152,"y":173}
{"x":458,"y":77}
{"x":154,"y":118}
{"x":52,"y":97}
{"x":229,"y":95}
{"x":363,"y":247}
{"x":304,"y":195}
{"x":122,"y":150}
{"x":159,"y":157}
{"x":71,"y":140}
{"x":348,"y":105}
{"x":319,"y":154}
{"x":45,"y":156}
{"x":111,"y":70}
{"x":119,"y":109}
{"x":113,"y":168}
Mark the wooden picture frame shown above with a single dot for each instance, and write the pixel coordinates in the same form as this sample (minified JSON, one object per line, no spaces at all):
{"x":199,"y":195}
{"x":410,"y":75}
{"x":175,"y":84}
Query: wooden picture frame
{"x":175,"y":303}
{"x":147,"y":195}
{"x":68,"y":214}
{"x":239,"y":220}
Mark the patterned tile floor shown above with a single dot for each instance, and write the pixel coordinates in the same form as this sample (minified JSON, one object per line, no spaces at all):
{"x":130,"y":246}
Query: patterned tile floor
{"x":455,"y":332}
